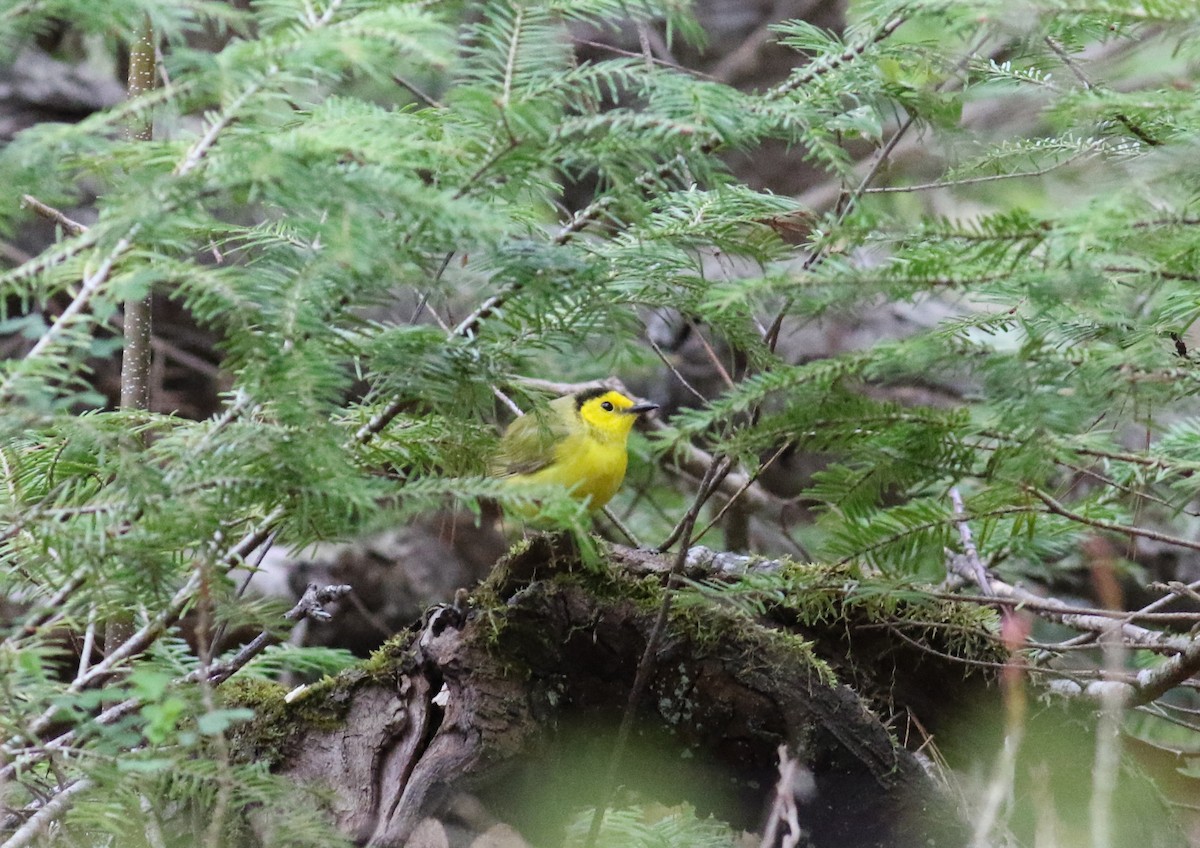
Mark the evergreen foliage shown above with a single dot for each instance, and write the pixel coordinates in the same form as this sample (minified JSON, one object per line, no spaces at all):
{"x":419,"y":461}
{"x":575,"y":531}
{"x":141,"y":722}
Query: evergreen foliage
{"x":368,"y":193}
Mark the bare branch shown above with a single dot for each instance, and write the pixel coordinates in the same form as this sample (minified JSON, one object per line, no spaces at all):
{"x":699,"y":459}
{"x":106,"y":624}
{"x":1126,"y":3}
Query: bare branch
{"x":795,"y":784}
{"x":1079,"y":618}
{"x":91,"y":284}
{"x":311,"y":605}
{"x":53,"y":808}
{"x":199,"y":150}
{"x":976,"y":568}
{"x":1057,"y":508}
{"x":68,"y":224}
{"x":966,"y":181}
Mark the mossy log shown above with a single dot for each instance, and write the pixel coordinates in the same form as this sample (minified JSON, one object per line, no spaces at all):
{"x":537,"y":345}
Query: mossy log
{"x":512,"y":696}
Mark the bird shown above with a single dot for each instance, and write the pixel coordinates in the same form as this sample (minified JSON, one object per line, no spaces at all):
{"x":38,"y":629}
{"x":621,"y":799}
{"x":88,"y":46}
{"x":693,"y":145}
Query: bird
{"x":578,"y":441}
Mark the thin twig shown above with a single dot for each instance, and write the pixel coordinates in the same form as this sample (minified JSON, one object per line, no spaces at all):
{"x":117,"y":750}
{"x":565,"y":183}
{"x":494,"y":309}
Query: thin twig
{"x":819,"y":68}
{"x":49,"y":613}
{"x":646,"y":180}
{"x":978,"y":571}
{"x":91,"y":284}
{"x":692,"y":461}
{"x":675,"y":371}
{"x":643,"y":33}
{"x":649,"y":655}
{"x":1057,"y":508}
{"x":966,"y":181}
{"x":310,"y":606}
{"x":716,"y":472}
{"x":488,"y":164}
{"x":417,"y":92}
{"x":56,"y":254}
{"x":199,"y":150}
{"x":749,"y":481}
{"x":788,"y":790}
{"x":89,"y":642}
{"x":167,"y":617}
{"x":68,"y":224}
{"x":1135,"y":493}
{"x":1091,"y":619}
{"x":1086,"y":619}
{"x":1087,"y":84}
{"x":629,"y":54}
{"x":620,"y":525}
{"x":713,"y":358}
{"x":53,"y":808}
{"x":892,"y":538}
{"x":847,"y":202}
{"x":510,"y":63}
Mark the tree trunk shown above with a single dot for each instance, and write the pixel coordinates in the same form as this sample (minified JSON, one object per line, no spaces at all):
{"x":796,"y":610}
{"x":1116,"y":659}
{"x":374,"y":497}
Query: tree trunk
{"x":513,"y":698}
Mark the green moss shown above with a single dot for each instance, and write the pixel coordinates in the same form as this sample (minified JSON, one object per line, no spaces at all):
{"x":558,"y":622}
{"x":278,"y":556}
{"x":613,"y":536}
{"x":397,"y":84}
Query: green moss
{"x":841,"y":600}
{"x":825,"y":595}
{"x":709,"y":626}
{"x":518,"y":548}
{"x":278,"y":721}
{"x":796,"y":649}
{"x":389,"y":660}
{"x":706,"y":623}
{"x":267,"y":735}
{"x":245,"y":690}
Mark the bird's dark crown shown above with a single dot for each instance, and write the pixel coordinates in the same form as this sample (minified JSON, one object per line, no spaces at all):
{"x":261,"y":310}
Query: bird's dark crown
{"x":587,"y":394}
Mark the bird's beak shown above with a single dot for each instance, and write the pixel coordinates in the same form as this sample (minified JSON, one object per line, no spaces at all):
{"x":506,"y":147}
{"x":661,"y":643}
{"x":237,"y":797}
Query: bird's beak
{"x":639,"y":408}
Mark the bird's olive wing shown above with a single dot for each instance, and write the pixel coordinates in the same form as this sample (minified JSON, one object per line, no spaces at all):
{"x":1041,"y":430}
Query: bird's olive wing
{"x":528,"y":444}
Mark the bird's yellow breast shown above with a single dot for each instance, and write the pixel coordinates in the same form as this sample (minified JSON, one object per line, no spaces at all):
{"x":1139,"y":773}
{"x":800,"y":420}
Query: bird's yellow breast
{"x":587,"y":466}
{"x":578,"y":442}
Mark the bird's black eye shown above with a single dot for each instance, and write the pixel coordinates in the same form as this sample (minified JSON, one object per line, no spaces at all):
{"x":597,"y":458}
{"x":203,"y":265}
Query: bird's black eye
{"x":607,"y":406}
